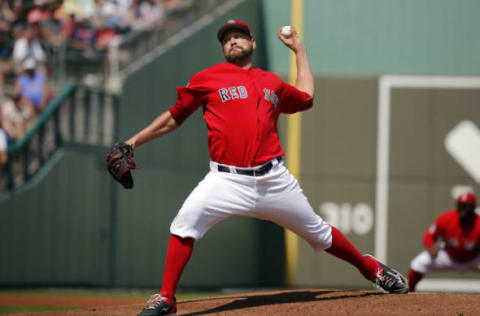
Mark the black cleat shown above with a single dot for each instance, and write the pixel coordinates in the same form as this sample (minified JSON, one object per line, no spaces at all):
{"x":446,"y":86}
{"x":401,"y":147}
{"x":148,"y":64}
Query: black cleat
{"x":388,"y":279}
{"x":158,"y":305}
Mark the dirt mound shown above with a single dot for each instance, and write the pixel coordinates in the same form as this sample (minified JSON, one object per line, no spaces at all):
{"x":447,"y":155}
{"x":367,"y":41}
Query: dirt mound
{"x":293,"y":302}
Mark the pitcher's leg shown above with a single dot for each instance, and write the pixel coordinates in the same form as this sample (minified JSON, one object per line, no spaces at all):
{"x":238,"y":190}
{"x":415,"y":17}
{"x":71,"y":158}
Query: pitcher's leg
{"x":215,"y":198}
{"x":178,"y":254}
{"x":294,"y":212}
{"x":343,"y":249}
{"x":284,"y":203}
{"x":384,"y":277}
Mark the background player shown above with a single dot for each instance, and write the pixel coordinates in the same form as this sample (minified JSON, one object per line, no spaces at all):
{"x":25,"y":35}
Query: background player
{"x":247,"y":177}
{"x":459,"y":231}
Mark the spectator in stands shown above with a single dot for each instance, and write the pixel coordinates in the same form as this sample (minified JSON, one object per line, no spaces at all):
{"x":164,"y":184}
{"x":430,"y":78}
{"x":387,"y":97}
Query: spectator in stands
{"x":18,"y":115}
{"x":3,"y":149}
{"x":50,"y":29}
{"x":85,"y":27}
{"x":109,"y":21}
{"x":68,"y":26}
{"x":103,"y":37}
{"x":40,"y":12}
{"x":28,"y":47}
{"x":18,"y":25}
{"x":109,"y":14}
{"x":3,"y":154}
{"x":6,"y":13}
{"x":145,"y":15}
{"x":4,"y":57}
{"x":33,"y":85}
{"x":133,"y":14}
{"x":84,"y":9}
{"x":80,"y":35}
{"x":7,"y":17}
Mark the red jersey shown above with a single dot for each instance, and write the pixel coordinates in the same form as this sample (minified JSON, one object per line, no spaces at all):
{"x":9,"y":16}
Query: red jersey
{"x":241,"y":108}
{"x":460,"y":244}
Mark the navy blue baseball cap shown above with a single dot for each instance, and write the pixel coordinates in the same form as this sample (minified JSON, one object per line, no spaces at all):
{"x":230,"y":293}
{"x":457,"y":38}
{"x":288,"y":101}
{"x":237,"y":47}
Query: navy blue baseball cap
{"x":233,"y":25}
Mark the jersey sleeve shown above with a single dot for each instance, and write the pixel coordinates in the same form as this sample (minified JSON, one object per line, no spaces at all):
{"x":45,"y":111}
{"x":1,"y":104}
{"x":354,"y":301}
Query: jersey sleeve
{"x":293,"y":100}
{"x":433,"y":233}
{"x":189,"y":98}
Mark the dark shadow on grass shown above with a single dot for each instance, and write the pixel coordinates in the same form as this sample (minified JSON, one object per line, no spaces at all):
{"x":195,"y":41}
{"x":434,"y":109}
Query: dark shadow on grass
{"x":247,"y":301}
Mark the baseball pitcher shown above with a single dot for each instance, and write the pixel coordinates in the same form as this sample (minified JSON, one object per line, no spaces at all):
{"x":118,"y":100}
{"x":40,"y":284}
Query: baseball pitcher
{"x":248,"y":177}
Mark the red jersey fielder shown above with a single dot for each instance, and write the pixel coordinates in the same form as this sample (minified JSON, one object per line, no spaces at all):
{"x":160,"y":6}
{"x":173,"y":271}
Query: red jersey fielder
{"x":248,"y":177}
{"x":459,"y":249}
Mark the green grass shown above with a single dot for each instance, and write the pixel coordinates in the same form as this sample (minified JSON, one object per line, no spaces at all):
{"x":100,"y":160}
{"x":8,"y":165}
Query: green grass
{"x":133,"y":293}
{"x":120,"y":293}
{"x":5,"y":310}
{"x":76,"y":292}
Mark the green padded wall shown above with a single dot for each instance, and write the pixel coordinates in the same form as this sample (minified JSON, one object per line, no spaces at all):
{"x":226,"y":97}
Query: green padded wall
{"x":339,"y":169}
{"x":58,"y":232}
{"x":338,"y":172}
{"x":372,"y":37}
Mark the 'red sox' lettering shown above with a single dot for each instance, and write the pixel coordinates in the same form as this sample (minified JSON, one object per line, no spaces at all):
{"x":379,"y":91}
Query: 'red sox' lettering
{"x":227,"y":94}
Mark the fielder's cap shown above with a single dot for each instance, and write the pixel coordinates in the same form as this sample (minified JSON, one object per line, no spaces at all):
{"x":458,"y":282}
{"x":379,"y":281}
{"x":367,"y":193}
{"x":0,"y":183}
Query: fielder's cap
{"x":466,"y":198}
{"x":233,"y":25}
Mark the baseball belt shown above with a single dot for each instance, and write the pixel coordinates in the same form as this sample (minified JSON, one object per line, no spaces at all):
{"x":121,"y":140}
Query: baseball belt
{"x":257,"y":172}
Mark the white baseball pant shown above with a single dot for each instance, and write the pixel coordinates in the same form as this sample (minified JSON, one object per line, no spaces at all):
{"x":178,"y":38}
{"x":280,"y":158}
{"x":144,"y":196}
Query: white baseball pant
{"x":275,"y":196}
{"x":424,"y":263}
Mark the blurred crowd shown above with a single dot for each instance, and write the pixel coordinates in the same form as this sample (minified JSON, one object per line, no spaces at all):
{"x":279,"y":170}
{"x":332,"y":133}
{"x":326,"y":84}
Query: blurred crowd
{"x":32,"y":33}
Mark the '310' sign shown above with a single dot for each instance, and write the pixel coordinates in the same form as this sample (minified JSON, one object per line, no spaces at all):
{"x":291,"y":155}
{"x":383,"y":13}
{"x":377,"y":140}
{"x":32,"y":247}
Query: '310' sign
{"x":347,"y":218}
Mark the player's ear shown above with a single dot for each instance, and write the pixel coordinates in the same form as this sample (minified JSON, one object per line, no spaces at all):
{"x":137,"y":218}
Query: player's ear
{"x":254,"y":43}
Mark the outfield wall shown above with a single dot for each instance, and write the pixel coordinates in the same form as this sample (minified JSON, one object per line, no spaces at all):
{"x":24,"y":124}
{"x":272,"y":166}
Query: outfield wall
{"x":342,"y":166}
{"x":374,"y":37}
{"x":58,"y":232}
{"x":345,"y":160}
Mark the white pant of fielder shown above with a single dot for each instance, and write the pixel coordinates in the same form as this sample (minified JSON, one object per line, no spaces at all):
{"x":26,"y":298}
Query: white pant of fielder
{"x":424,"y":263}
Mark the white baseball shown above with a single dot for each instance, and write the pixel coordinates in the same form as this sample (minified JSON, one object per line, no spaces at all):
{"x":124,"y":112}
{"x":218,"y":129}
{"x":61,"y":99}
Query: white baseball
{"x":286,"y":31}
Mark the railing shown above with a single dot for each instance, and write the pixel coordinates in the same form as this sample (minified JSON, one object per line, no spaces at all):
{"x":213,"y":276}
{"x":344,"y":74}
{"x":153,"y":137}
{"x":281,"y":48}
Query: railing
{"x":78,"y":115}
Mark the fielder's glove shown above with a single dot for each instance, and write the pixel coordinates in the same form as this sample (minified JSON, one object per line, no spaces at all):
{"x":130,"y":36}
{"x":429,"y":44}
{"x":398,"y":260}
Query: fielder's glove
{"x":119,"y":163}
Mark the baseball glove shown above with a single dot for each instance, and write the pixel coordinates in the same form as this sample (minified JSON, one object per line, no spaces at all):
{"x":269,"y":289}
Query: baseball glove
{"x":119,"y":163}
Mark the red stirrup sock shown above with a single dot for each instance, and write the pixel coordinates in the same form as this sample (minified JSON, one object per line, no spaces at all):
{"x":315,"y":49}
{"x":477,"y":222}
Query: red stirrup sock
{"x":178,"y":254}
{"x":413,"y":278}
{"x":343,"y":249}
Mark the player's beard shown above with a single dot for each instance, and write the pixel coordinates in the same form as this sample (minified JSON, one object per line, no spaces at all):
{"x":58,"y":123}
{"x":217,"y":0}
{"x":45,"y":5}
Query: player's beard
{"x":237,"y":56}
